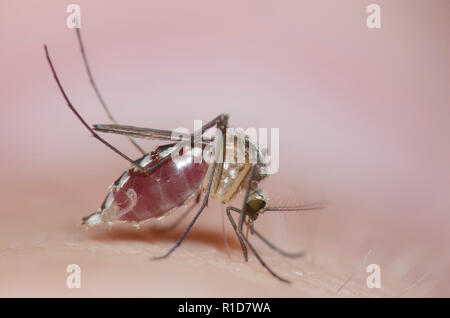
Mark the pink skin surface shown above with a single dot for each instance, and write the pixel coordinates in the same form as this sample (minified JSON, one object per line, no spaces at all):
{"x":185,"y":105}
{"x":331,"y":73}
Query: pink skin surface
{"x":363,"y":118}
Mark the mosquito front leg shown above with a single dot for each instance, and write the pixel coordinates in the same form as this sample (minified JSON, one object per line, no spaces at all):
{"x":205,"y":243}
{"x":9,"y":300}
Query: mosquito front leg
{"x":272,"y":246}
{"x":245,"y":242}
{"x":236,"y":230}
{"x":261,"y":260}
{"x":262,"y":238}
{"x":247,"y":193}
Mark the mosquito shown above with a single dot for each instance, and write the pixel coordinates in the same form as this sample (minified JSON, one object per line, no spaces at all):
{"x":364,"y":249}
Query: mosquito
{"x":167,"y":178}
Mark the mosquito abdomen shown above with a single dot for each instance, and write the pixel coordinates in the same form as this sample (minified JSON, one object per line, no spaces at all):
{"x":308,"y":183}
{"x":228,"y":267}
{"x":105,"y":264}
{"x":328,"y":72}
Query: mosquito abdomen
{"x":138,"y":196}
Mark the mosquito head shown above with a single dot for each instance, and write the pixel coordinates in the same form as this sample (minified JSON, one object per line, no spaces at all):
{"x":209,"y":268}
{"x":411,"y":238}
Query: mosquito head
{"x":256,"y":203}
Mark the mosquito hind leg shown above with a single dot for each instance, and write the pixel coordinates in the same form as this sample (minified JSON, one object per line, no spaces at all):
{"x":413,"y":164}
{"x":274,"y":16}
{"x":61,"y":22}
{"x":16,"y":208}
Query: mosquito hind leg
{"x":204,"y":204}
{"x":97,"y":91}
{"x":186,"y":231}
{"x":220,"y":121}
{"x":85,"y":124}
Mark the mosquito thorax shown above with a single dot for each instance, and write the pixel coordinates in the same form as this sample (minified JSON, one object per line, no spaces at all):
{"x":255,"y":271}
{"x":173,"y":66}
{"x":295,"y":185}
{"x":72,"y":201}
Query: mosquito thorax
{"x":256,"y":203}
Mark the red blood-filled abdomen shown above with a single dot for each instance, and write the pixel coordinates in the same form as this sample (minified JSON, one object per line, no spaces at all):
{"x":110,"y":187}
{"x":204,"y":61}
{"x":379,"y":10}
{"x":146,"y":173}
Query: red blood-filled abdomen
{"x":138,"y":196}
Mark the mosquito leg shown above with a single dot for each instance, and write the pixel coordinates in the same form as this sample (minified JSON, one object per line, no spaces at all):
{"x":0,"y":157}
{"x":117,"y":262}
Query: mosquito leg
{"x":261,"y":260}
{"x":96,"y":90}
{"x":204,"y":204}
{"x":173,"y":225}
{"x":266,"y":241}
{"x":245,"y":242}
{"x":234,"y":187}
{"x":223,"y":126}
{"x":146,"y":133}
{"x":236,"y":230}
{"x":94,"y":134}
{"x":151,"y":133}
{"x":221,"y":121}
{"x":247,"y":192}
{"x":269,"y":244}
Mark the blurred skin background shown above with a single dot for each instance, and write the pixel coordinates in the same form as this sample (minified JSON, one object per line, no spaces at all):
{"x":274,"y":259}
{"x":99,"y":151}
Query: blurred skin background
{"x":363,"y":118}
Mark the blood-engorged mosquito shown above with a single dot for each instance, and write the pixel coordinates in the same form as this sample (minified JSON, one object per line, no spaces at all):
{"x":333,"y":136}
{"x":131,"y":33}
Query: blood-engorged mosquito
{"x":160,"y":182}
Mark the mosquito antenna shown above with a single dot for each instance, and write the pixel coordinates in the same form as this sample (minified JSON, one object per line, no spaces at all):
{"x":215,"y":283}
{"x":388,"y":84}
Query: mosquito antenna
{"x":81,"y":118}
{"x":96,"y":90}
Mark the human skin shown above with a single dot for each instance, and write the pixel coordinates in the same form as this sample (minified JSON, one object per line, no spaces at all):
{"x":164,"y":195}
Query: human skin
{"x":363,"y":119}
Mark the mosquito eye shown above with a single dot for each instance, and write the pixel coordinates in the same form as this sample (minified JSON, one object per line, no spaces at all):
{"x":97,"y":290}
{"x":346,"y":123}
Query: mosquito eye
{"x":254,"y":206}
